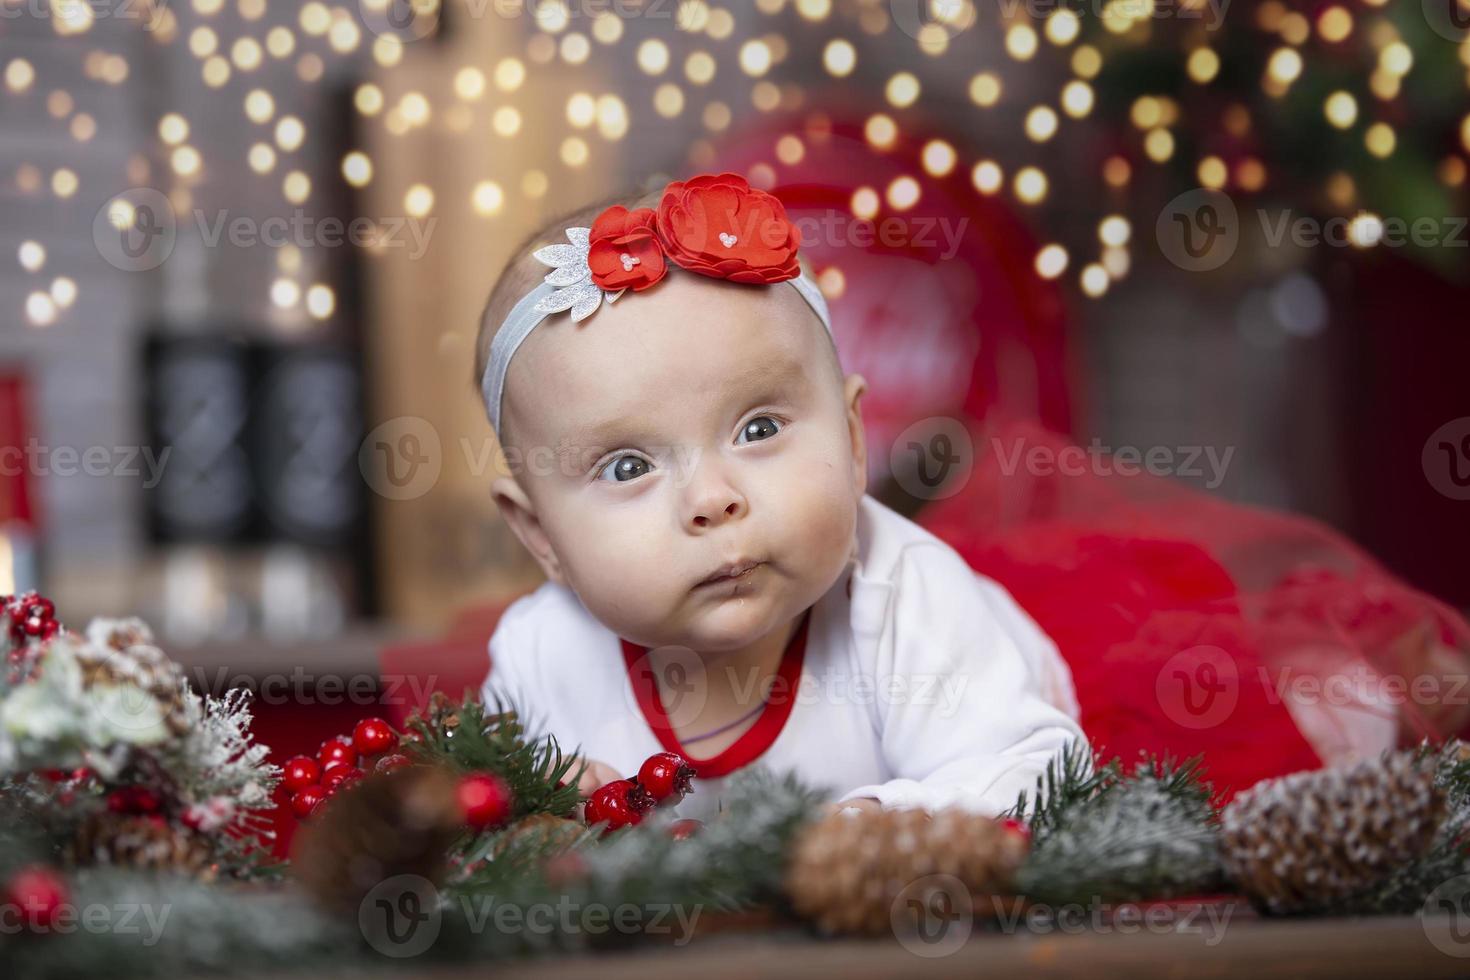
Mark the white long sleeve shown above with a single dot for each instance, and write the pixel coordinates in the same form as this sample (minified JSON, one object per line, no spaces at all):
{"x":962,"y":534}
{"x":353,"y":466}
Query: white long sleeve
{"x":993,"y":729}
{"x":923,"y":683}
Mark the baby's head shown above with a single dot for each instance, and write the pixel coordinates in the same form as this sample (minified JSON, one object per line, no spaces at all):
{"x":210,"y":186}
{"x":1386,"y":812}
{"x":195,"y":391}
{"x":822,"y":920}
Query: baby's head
{"x":689,"y":459}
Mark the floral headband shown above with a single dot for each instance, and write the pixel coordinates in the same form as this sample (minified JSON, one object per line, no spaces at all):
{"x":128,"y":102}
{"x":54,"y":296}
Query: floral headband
{"x":715,"y":225}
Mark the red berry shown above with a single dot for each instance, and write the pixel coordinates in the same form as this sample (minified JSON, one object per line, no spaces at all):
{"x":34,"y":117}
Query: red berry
{"x":337,"y":775}
{"x":389,"y":763}
{"x":373,"y":736}
{"x":300,"y":772}
{"x":306,"y":800}
{"x":1017,"y":827}
{"x":621,"y":803}
{"x":666,"y":776}
{"x":337,"y":749}
{"x":685,"y":828}
{"x":37,"y":893}
{"x":133,"y":799}
{"x":485,"y":799}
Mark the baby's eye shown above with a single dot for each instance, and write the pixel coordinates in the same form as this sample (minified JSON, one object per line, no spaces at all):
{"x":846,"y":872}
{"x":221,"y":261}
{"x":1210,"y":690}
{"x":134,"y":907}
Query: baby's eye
{"x":624,"y":468}
{"x":761,"y":427}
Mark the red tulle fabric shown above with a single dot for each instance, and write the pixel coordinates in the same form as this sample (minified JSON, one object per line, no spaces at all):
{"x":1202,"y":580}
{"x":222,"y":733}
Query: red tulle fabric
{"x":1192,"y":625}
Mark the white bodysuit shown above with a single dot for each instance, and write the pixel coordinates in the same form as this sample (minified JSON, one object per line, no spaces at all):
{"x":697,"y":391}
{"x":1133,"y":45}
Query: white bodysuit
{"x":921,"y":683}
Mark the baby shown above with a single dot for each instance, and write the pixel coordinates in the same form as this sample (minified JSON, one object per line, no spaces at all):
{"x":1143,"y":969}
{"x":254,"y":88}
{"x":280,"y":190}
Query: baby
{"x":689,"y":470}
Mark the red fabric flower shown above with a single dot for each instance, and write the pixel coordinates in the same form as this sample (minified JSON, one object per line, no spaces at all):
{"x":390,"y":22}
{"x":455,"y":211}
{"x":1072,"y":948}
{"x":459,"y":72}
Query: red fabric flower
{"x":624,"y":250}
{"x":717,"y":226}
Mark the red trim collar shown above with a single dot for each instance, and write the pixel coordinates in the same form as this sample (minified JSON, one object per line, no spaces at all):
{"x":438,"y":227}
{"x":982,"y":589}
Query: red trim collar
{"x":756,"y":739}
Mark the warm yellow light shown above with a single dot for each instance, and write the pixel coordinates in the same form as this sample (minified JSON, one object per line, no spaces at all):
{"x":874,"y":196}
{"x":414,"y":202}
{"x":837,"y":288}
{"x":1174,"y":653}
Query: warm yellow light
{"x":1117,"y":171}
{"x":1250,"y":174}
{"x":1284,"y":66}
{"x":216,"y":71}
{"x":865,"y":203}
{"x":173,"y":129}
{"x":881,"y":131}
{"x":1158,"y":145}
{"x":320,"y":301}
{"x":1365,"y":229}
{"x":296,"y":187}
{"x":357,"y":169}
{"x":1041,"y":124}
{"x":289,"y":133}
{"x":839,"y":58}
{"x":261,"y":158}
{"x":203,"y":42}
{"x":1062,"y":27}
{"x":506,"y":121}
{"x":285,"y":293}
{"x":985,"y":89}
{"x":259,"y":106}
{"x":903,"y":193}
{"x":574,"y":151}
{"x":1380,"y":139}
{"x":938,"y":158}
{"x":668,"y":100}
{"x":246,"y":54}
{"x":32,"y":255}
{"x":487,"y":198}
{"x":40,"y":309}
{"x":1086,"y":61}
{"x":987,"y":177}
{"x":368,"y":99}
{"x":418,"y":200}
{"x":1212,"y":173}
{"x":414,"y":106}
{"x":755,"y":57}
{"x":186,"y":161}
{"x":1203,"y":65}
{"x":1030,"y":185}
{"x":534,"y":184}
{"x":64,"y":291}
{"x":280,"y":42}
{"x":469,"y":84}
{"x":902,"y":90}
{"x":509,"y":74}
{"x":1335,"y":24}
{"x":653,"y":56}
{"x":1114,"y":230}
{"x":607,"y":27}
{"x":1094,"y":280}
{"x":699,"y":68}
{"x":1145,"y":112}
{"x":1341,"y":109}
{"x":1077,"y":99}
{"x":1051,"y":261}
{"x":1396,"y":58}
{"x":612,"y":117}
{"x":1021,"y":42}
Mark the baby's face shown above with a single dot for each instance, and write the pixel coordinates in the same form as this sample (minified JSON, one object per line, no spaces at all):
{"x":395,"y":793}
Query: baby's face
{"x":709,"y":460}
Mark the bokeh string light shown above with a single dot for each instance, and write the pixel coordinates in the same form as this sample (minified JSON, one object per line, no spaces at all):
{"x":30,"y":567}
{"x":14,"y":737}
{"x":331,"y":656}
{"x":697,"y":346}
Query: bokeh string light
{"x":1230,"y":101}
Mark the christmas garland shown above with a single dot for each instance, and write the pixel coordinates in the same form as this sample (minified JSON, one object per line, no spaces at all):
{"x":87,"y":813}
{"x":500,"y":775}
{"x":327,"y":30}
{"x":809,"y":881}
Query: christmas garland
{"x":132,"y":800}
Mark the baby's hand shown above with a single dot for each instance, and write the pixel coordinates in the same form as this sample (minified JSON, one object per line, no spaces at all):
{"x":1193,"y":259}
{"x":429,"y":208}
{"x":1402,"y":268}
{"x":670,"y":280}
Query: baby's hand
{"x":860,"y":803}
{"x":596,"y":774}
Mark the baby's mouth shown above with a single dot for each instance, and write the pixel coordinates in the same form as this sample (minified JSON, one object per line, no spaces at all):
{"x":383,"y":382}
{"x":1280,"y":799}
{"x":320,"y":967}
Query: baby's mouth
{"x":735,"y":571}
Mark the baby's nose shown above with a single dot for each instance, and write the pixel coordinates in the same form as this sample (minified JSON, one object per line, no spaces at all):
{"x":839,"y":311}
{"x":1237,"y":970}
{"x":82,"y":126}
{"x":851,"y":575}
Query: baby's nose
{"x":717,"y":509}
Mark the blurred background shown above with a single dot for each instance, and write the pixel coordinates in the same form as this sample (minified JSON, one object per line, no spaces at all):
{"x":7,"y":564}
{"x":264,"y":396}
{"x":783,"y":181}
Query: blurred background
{"x":246,"y":244}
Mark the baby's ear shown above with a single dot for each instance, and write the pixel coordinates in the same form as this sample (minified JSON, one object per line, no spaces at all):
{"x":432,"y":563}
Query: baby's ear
{"x":853,"y":389}
{"x":520,"y":514}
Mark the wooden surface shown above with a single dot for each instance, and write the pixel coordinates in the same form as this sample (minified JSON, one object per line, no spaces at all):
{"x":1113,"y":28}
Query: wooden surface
{"x":1246,"y":947}
{"x":1376,"y":947}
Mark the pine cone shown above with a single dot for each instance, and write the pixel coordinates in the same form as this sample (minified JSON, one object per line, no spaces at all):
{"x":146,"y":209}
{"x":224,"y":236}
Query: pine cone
{"x":394,"y":823}
{"x":847,"y":870}
{"x":1305,"y":840}
{"x":540,"y":830}
{"x":144,"y":666}
{"x":142,"y":844}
